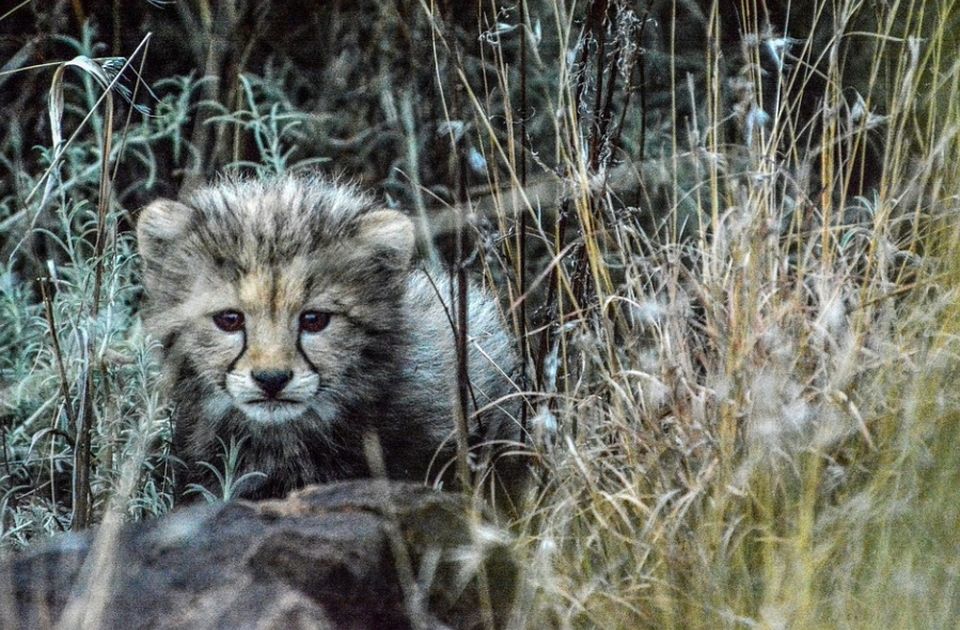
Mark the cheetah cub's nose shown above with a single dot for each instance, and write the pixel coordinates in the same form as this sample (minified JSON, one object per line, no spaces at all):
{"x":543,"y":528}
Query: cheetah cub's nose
{"x":272,"y":382}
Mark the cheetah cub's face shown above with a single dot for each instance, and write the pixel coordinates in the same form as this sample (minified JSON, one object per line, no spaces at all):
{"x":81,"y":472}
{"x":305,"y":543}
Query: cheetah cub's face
{"x":278,"y":306}
{"x":271,"y":342}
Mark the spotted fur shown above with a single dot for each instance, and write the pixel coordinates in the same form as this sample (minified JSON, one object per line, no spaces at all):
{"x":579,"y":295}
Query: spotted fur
{"x":384,"y":364}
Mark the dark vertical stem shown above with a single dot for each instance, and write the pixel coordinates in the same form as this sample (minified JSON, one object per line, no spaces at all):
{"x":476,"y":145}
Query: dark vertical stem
{"x":597,"y":9}
{"x":459,"y":285}
{"x":604,"y":135}
{"x":82,"y":489}
{"x":630,"y":88}
{"x":45,"y":284}
{"x":594,"y":24}
{"x":463,"y":372}
{"x":4,"y":432}
{"x":522,"y":236}
{"x":601,"y":8}
{"x":643,"y":93}
{"x":80,"y":477}
{"x":596,"y":117}
{"x":553,"y":295}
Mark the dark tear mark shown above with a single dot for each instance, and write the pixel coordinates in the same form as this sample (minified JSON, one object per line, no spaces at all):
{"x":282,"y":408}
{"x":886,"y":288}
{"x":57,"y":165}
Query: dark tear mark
{"x":303,"y":354}
{"x":233,"y":363}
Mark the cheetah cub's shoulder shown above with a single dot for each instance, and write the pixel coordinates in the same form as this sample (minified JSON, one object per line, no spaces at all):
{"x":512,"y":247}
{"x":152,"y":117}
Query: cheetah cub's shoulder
{"x":293,"y":318}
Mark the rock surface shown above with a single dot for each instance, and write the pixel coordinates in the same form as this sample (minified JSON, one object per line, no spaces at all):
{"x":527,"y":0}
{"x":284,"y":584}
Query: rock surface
{"x":361,"y":554}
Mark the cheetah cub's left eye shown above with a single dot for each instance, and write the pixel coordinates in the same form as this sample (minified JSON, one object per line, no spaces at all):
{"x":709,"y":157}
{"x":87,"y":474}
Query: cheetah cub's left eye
{"x":313,"y":321}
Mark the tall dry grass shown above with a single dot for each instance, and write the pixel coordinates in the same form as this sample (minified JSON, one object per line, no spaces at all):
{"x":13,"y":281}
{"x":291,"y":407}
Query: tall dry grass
{"x":753,"y":386}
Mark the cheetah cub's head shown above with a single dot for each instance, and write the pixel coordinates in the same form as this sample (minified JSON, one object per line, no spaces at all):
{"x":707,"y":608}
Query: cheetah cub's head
{"x":276,"y":301}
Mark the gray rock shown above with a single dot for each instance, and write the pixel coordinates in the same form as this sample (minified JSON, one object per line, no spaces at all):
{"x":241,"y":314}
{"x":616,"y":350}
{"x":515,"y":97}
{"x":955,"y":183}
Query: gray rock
{"x":359,"y":554}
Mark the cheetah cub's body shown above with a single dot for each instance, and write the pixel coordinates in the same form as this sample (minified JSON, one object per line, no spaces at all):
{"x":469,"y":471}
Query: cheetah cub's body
{"x":292,"y":319}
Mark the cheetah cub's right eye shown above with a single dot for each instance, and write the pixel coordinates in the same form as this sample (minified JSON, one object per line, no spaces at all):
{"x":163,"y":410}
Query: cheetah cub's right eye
{"x":229,"y":321}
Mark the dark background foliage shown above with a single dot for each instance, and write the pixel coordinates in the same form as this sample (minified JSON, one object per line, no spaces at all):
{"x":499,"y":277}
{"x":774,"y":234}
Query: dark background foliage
{"x":369,"y":73}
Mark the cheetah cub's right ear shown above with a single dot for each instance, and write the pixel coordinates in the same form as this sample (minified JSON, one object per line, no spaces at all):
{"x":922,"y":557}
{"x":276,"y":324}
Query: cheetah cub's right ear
{"x":159,"y":226}
{"x":387,"y":237}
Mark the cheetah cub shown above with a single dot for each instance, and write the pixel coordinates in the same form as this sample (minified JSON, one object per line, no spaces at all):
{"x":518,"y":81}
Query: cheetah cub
{"x":294,"y":321}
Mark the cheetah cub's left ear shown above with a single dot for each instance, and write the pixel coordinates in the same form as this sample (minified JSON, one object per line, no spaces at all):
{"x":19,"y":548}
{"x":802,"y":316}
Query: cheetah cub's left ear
{"x":386,"y":236}
{"x":159,"y":226}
